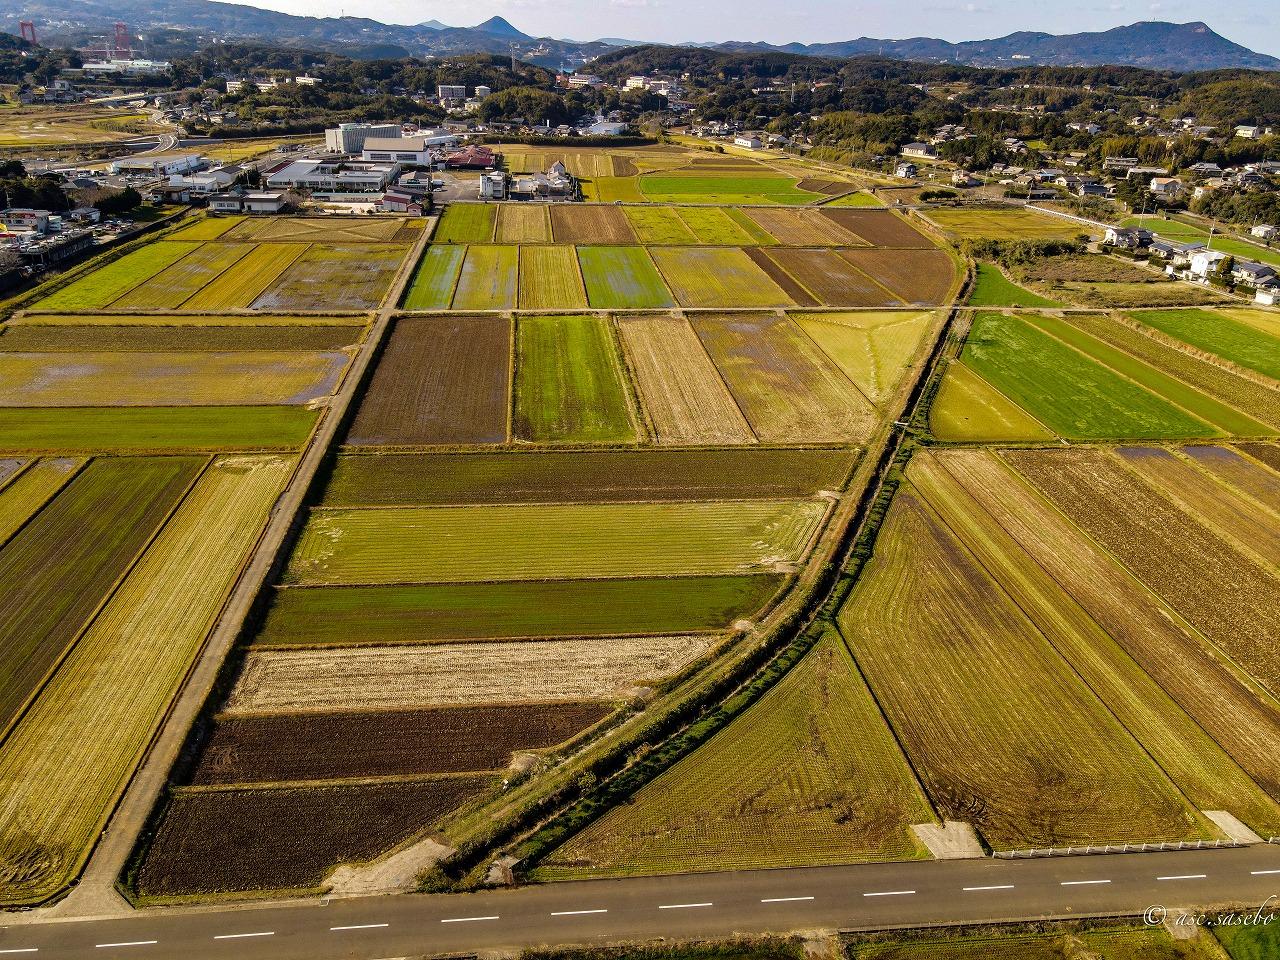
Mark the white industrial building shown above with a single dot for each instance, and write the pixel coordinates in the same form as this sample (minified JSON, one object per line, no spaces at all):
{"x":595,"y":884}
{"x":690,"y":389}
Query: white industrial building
{"x":415,"y":150}
{"x":449,"y":91}
{"x":261,"y":201}
{"x":350,"y":137}
{"x":334,"y":178}
{"x":159,"y":164}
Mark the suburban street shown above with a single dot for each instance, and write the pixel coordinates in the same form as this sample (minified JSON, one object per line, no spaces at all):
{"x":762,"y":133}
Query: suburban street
{"x":707,"y":905}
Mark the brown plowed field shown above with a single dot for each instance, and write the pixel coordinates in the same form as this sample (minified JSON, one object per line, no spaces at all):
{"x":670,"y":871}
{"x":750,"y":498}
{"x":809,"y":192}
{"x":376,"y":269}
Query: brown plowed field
{"x":601,"y":476}
{"x":786,"y":281}
{"x":624,"y":167}
{"x":1267,"y":453}
{"x":334,"y":746}
{"x":831,"y":278}
{"x":830,"y":187}
{"x":440,"y":380}
{"x":1229,"y":598}
{"x":917,"y":276}
{"x":1242,"y":473}
{"x":571,"y":223}
{"x":220,"y":841}
{"x":1238,"y":716}
{"x":679,"y":386}
{"x":880,"y":228}
{"x":801,"y":227}
{"x":786,"y":386}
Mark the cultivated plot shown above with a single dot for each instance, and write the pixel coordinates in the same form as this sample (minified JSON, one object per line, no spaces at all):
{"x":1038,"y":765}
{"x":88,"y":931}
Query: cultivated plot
{"x":439,"y":381}
{"x":547,"y":671}
{"x":521,"y":542}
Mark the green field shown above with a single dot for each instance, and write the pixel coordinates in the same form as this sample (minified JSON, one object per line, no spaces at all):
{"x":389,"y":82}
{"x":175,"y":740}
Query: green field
{"x":466,"y":223}
{"x":659,"y":225}
{"x":967,"y":409}
{"x":1227,"y":419}
{"x":622,"y":278}
{"x":107,"y":283}
{"x":1063,"y":942}
{"x":569,"y":385}
{"x":728,"y":227}
{"x":92,"y":429}
{"x":858,"y":199}
{"x":676,"y":188}
{"x":1219,"y":334}
{"x":1071,"y":394}
{"x":488,"y":279}
{"x":519,"y":542}
{"x":245,"y":282}
{"x":717,"y":277}
{"x":991,"y":288}
{"x":432,"y":285}
{"x":808,"y":775}
{"x":494,"y":611}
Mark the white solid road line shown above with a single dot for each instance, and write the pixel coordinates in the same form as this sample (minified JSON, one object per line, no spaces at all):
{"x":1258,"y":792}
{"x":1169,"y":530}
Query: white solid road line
{"x":1081,"y":883}
{"x":998,"y":886}
{"x":466,"y":919}
{"x":1185,"y":876}
{"x":785,"y":899}
{"x":683,"y":906}
{"x":890,"y":893}
{"x":1260,"y":873}
{"x":362,"y":926}
{"x":128,"y":944}
{"x":574,"y":913}
{"x":240,"y":936}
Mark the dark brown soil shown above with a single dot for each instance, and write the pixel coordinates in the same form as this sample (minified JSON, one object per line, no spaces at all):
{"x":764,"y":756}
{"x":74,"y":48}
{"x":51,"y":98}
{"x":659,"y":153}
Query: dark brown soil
{"x":783,"y":279}
{"x":917,"y":276}
{"x":334,"y":746}
{"x":440,"y":380}
{"x":221,"y":841}
{"x":880,"y":228}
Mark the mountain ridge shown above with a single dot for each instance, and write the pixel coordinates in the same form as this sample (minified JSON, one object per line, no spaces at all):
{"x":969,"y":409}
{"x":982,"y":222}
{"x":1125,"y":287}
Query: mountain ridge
{"x":1152,"y":44}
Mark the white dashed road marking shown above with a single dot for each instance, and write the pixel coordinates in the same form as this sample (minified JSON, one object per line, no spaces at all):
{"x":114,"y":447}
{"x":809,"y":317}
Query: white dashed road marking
{"x":21,"y":950}
{"x":1260,"y":873}
{"x":997,"y":886}
{"x":785,"y":899}
{"x":362,"y":926}
{"x":1185,"y":876}
{"x":575,"y":913}
{"x":890,"y":893}
{"x":240,"y":936}
{"x":466,"y":919}
{"x":1081,"y":883}
{"x":683,"y":906}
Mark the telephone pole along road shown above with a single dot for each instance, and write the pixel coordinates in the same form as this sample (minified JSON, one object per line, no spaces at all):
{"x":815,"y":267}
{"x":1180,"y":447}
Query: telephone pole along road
{"x":865,"y":896}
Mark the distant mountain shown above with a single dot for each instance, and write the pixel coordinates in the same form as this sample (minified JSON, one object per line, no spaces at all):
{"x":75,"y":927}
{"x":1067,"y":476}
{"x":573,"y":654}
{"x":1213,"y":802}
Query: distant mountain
{"x":500,"y":28}
{"x":1167,"y":46}
{"x":1158,"y":45}
{"x":77,"y":22}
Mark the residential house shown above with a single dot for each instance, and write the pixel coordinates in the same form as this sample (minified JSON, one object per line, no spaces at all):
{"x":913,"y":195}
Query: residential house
{"x":1205,"y":169}
{"x":1205,"y":262}
{"x":1248,"y":132}
{"x":747,"y":142}
{"x":25,"y":218}
{"x":922,"y":151}
{"x":963,"y":178}
{"x":493,"y":186}
{"x":1252,"y":273}
{"x":397,"y":201}
{"x":1169,"y":187}
{"x":1127,"y":238}
{"x":1265,"y":231}
{"x":907,"y":171}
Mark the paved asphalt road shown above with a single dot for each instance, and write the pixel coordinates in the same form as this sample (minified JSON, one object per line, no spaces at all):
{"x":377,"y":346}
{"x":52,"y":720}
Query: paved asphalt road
{"x":705,"y":905}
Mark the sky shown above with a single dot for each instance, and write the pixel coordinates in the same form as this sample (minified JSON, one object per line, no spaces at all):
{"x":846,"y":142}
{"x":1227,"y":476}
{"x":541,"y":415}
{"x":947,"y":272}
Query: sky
{"x":1253,"y":23}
